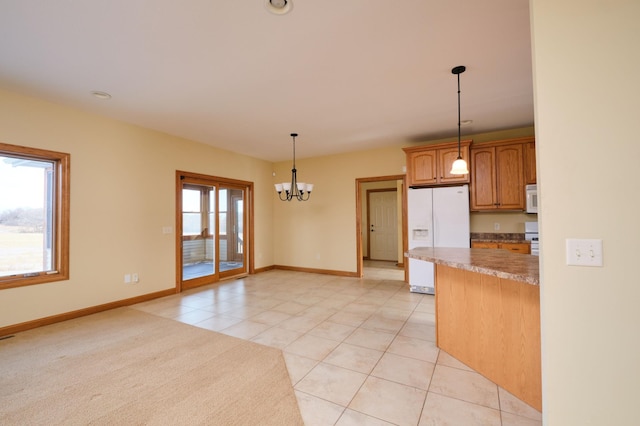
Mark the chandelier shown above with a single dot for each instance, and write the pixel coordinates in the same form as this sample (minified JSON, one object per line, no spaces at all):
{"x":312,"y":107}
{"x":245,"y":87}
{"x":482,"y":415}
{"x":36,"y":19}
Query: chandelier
{"x":459,"y":167}
{"x":294,"y":189}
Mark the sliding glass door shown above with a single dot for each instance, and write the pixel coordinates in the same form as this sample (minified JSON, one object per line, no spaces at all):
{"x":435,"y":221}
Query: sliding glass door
{"x":211,"y":227}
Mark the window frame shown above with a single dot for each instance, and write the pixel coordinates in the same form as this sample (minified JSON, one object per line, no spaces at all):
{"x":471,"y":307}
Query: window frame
{"x":61,"y":212}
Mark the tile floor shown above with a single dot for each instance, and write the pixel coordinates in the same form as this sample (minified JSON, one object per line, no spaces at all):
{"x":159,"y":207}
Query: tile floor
{"x":359,"y":351}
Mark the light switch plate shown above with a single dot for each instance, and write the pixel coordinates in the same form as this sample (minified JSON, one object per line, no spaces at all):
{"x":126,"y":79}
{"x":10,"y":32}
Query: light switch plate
{"x":582,"y":252}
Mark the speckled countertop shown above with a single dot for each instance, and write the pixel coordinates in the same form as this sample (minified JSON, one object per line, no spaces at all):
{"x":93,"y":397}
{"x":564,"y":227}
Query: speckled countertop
{"x":498,"y":237}
{"x":498,"y":263}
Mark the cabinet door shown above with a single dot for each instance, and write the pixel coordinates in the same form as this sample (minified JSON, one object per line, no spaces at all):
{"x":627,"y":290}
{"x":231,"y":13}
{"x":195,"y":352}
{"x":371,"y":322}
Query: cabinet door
{"x":510,"y":177}
{"x":483,"y":179}
{"x":422,"y":168}
{"x":530,"y":163}
{"x":446,"y":157}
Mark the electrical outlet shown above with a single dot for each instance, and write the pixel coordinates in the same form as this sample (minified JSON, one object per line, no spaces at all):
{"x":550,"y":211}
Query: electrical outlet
{"x":496,"y":226}
{"x":584,"y":252}
{"x":135,"y":278}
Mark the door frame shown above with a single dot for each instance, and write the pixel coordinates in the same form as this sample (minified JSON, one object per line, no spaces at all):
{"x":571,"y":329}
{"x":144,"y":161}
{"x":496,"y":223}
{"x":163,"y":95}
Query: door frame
{"x":359,"y":225}
{"x":249,"y":214}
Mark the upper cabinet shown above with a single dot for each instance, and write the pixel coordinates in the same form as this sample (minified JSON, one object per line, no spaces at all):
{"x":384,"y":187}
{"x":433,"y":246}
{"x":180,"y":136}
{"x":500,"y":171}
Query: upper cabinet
{"x":529,"y":163}
{"x":429,"y":165}
{"x":498,"y":175}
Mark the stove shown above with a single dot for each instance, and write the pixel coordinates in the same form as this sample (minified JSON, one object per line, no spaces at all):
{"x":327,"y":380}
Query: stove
{"x":531,"y":234}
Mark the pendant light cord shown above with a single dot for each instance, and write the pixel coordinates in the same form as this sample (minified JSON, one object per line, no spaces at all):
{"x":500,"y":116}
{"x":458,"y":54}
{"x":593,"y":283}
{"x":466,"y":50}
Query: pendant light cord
{"x":293,"y":135}
{"x":459,"y":155}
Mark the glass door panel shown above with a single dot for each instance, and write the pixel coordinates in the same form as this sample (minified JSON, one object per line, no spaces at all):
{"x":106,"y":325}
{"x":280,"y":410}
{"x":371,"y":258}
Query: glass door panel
{"x":231,"y":222}
{"x":238,"y":210}
{"x":198,"y":234}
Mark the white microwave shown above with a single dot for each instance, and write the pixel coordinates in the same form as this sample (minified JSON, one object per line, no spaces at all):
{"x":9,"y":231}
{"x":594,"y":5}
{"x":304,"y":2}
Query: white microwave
{"x":532,"y":198}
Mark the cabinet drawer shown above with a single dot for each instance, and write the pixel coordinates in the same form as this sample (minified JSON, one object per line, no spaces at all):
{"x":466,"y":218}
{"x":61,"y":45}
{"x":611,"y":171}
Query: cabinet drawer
{"x":481,"y":244}
{"x":523,"y":248}
{"x":517,"y":247}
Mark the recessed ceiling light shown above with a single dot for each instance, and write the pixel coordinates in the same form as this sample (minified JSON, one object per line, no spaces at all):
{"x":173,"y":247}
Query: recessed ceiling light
{"x":278,"y":7}
{"x":101,"y":95}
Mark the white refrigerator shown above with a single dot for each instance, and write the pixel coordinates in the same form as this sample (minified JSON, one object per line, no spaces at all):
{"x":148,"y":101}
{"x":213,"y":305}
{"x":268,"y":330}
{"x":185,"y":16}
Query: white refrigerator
{"x":437,"y":217}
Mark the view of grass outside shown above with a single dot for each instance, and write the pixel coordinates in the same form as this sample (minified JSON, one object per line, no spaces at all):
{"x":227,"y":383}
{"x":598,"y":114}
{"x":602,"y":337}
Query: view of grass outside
{"x":21,"y":251}
{"x":22,"y":216}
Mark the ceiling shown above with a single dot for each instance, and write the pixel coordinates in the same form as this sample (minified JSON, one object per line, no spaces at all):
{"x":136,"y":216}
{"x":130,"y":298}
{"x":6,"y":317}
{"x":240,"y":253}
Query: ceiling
{"x":346,"y":75}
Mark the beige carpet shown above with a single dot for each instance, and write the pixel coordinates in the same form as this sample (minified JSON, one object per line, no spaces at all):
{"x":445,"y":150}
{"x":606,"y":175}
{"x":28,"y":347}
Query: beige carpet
{"x":128,"y":367}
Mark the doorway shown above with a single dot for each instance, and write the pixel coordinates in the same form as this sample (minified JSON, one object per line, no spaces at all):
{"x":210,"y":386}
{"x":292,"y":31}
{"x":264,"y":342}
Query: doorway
{"x":212,"y":219}
{"x":363,"y":227}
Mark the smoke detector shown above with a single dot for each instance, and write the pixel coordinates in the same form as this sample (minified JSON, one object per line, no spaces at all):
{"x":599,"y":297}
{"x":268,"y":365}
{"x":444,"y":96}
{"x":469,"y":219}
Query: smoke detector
{"x":278,"y":7}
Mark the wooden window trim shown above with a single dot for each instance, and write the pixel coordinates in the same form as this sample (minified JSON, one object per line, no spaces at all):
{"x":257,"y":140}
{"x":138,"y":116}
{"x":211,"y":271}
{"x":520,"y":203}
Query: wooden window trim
{"x":62,"y":185}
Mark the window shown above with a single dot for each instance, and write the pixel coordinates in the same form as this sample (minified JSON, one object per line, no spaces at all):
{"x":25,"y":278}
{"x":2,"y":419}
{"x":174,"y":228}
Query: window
{"x":198,"y":210}
{"x":191,"y":218}
{"x":34,"y":216}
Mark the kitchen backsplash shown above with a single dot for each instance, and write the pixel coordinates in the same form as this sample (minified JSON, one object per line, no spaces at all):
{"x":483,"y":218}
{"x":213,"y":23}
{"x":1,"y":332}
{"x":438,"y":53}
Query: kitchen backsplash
{"x":497,"y":236}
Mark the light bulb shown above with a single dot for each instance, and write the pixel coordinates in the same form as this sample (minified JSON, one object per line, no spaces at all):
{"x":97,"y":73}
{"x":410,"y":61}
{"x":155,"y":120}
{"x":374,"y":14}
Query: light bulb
{"x":459,"y":167}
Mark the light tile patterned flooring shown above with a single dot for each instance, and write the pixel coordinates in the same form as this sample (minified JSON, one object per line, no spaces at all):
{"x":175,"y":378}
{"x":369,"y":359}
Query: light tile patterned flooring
{"x":358,"y":351}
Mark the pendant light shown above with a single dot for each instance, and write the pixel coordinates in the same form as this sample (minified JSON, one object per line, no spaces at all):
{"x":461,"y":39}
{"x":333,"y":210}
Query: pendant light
{"x":294,"y":189}
{"x":459,"y":166}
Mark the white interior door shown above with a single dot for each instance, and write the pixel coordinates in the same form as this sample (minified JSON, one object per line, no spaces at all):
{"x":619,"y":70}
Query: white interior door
{"x":383,"y":225}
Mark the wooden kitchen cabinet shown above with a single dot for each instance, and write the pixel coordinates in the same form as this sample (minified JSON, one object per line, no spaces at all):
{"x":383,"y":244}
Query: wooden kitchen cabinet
{"x":429,"y":165}
{"x":524,"y":248}
{"x":530,"y":163}
{"x":497,"y":175}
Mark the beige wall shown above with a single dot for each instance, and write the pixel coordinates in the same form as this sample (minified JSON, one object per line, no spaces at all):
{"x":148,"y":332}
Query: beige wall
{"x":586,"y":95}
{"x":122,"y":194}
{"x":508,"y":222}
{"x":321,"y":233}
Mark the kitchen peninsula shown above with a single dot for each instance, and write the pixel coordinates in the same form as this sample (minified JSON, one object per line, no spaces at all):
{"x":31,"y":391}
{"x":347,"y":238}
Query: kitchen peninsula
{"x":488,"y":314}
